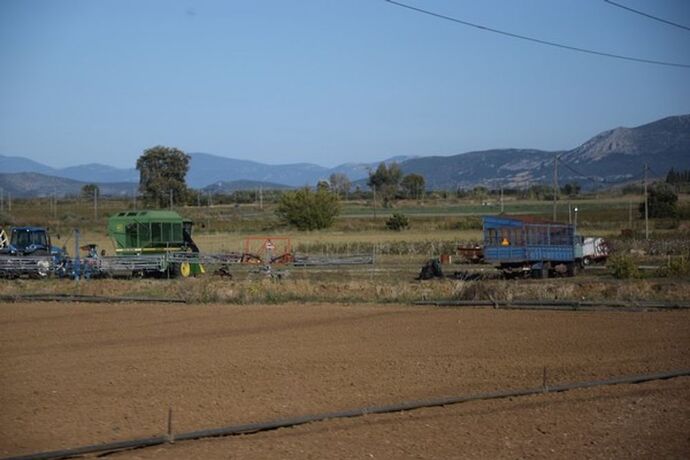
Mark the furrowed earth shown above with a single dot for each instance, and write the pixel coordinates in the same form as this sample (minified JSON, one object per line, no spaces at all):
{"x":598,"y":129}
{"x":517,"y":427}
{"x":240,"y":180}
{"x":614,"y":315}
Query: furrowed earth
{"x":74,"y":374}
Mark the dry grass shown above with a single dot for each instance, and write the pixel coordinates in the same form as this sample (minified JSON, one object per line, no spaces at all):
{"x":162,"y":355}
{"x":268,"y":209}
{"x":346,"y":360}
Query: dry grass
{"x":350,"y":289}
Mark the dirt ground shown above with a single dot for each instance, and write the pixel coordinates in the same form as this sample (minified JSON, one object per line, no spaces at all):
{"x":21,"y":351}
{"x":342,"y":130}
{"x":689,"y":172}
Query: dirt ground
{"x":75,"y":374}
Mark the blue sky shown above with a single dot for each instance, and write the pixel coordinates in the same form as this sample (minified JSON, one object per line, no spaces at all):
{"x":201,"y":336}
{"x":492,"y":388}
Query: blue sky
{"x":326,"y":81}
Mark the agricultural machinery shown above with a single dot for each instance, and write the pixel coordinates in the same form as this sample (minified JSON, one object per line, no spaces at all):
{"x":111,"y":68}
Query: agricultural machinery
{"x":28,"y":252}
{"x":528,"y":246}
{"x":152,"y":243}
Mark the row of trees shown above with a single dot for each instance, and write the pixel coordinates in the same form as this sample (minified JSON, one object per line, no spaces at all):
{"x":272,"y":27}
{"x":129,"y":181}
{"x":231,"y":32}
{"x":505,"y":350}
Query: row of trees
{"x":388,"y":182}
{"x":163,"y":170}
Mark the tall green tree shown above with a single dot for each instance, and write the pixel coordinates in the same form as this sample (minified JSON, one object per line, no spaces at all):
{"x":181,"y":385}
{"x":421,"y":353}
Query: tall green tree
{"x":308,"y":210}
{"x":412,"y":186}
{"x":663,"y":201}
{"x":162,"y":171}
{"x":385,"y":181}
{"x":89,"y":191}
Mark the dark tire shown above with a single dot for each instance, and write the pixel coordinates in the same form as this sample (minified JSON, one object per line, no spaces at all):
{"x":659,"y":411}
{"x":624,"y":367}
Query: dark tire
{"x":571,"y":269}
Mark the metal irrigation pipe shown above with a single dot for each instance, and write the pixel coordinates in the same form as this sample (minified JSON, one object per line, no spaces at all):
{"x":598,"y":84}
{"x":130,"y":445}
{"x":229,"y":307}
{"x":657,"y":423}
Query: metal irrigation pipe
{"x":358,"y":412}
{"x":558,"y":305}
{"x":83,"y":298}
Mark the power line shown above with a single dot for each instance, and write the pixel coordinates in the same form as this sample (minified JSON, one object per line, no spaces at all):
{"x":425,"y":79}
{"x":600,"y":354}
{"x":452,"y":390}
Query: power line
{"x":537,"y":40}
{"x":642,"y":13}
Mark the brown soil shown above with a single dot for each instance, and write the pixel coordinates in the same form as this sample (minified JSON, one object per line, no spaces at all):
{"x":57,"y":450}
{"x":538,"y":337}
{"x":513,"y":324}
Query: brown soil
{"x":74,"y":374}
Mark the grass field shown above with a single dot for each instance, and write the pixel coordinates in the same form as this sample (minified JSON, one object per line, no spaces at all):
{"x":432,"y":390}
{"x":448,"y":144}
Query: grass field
{"x":224,"y":227}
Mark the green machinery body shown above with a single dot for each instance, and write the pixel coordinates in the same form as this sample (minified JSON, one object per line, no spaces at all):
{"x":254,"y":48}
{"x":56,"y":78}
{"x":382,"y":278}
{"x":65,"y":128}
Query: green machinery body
{"x":155,"y":232}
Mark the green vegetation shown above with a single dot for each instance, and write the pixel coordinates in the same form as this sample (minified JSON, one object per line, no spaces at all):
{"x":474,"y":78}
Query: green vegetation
{"x":162,"y":175}
{"x":308,"y":210}
{"x":623,"y":267}
{"x":397,"y":222}
{"x":89,"y":191}
{"x":385,"y":181}
{"x":663,"y":201}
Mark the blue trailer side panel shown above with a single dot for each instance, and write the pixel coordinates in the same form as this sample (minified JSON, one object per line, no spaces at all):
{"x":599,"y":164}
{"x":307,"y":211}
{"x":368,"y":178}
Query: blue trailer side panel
{"x":519,"y":241}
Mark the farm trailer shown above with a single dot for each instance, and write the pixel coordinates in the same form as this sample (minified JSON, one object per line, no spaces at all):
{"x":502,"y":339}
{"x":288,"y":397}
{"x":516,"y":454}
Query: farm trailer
{"x":527,"y":246}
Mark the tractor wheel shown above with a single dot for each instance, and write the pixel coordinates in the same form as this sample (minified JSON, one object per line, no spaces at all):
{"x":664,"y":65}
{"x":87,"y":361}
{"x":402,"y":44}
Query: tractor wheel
{"x":185,"y":269}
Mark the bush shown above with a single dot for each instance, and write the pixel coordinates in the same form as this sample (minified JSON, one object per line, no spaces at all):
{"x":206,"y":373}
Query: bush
{"x":308,"y":210}
{"x":663,"y":202}
{"x":623,"y":267}
{"x":677,"y":267}
{"x":397,"y":222}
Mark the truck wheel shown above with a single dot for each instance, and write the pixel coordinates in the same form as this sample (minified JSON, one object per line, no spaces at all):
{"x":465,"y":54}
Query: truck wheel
{"x":571,"y":269}
{"x":587,"y":261}
{"x":543,"y":272}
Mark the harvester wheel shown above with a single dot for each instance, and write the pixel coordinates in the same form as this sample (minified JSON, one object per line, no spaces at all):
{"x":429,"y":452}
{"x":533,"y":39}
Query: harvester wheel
{"x":185,"y":269}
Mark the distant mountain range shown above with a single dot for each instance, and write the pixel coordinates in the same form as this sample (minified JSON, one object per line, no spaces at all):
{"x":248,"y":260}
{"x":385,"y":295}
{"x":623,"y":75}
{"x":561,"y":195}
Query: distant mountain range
{"x":611,"y":157}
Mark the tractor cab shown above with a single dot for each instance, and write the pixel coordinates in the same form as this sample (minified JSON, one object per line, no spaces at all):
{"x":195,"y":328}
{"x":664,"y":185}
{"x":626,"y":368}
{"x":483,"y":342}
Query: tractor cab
{"x":25,"y":241}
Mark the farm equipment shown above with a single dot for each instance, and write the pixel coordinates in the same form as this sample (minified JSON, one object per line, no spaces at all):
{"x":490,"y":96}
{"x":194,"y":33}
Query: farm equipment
{"x":152,"y":243}
{"x":28,"y":252}
{"x":594,"y":251}
{"x":526,"y":246}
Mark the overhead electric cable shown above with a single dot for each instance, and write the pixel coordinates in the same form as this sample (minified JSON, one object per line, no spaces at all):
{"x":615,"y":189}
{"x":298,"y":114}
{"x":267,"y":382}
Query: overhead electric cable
{"x":642,"y":13}
{"x":537,"y":40}
{"x":581,"y":174}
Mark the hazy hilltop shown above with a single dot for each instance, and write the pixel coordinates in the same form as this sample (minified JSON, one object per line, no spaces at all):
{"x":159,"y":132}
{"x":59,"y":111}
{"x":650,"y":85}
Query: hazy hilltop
{"x":613,"y":156}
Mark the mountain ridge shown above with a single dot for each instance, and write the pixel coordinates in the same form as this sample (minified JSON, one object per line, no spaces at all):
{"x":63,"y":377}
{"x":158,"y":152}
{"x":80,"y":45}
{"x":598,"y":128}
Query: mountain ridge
{"x":612,"y":156}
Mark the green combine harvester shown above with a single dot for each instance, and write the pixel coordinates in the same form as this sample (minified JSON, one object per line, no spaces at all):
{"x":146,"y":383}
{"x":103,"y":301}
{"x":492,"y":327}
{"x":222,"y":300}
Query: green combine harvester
{"x":154,"y":243}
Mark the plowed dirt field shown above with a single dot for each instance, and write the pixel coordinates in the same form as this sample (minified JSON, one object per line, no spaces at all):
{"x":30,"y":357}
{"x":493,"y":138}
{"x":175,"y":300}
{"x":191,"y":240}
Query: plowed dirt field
{"x":75,"y":374}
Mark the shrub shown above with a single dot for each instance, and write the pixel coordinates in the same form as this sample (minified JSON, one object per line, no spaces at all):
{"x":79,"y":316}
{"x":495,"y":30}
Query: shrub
{"x":308,"y":210}
{"x":623,"y":267}
{"x":397,"y":222}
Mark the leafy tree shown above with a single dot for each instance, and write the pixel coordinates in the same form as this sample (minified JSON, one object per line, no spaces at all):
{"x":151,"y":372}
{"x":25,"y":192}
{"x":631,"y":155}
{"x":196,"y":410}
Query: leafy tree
{"x":340,"y":183}
{"x":386,"y":180}
{"x":571,"y":189}
{"x":90,"y":190}
{"x":323,"y":185}
{"x":162,"y":170}
{"x":308,"y":210}
{"x":663,"y":201}
{"x":413,"y":186}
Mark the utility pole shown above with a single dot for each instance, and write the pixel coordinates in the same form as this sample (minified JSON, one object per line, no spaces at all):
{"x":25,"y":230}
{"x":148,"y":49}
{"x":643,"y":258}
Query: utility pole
{"x":373,"y":187}
{"x":646,"y":205}
{"x":95,"y":204}
{"x":9,"y":202}
{"x":171,"y":199}
{"x":2,"y":199}
{"x":501,"y":199}
{"x":555,"y":185}
{"x":261,"y":197}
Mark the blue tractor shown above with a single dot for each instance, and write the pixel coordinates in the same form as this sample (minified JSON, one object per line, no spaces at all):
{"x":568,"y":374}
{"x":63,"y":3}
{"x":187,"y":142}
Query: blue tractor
{"x":28,"y":251}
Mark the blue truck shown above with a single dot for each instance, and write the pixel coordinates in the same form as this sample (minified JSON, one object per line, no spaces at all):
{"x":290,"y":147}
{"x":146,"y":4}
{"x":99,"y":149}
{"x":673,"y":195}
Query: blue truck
{"x":527,"y":246}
